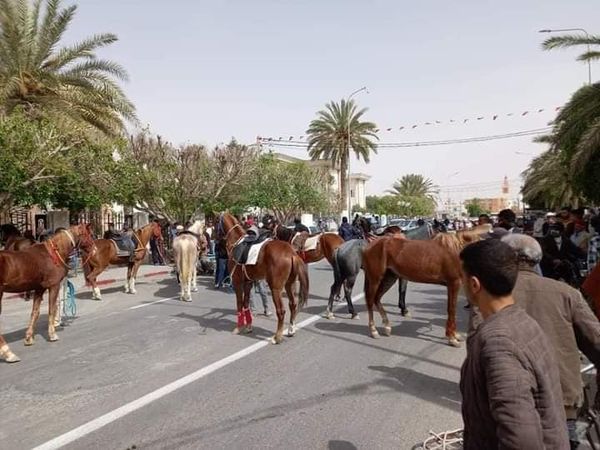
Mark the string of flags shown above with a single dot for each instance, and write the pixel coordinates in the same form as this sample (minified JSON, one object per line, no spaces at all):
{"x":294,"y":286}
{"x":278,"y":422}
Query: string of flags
{"x":463,"y":121}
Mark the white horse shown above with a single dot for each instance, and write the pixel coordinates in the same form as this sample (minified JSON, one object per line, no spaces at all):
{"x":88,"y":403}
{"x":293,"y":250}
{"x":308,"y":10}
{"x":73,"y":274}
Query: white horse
{"x":185,"y":253}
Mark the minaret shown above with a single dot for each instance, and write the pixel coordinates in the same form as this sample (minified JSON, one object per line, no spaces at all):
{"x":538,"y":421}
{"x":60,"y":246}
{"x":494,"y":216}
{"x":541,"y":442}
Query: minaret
{"x":505,"y":192}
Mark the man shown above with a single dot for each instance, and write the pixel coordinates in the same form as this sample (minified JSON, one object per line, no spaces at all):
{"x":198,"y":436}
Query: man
{"x":484,"y":219}
{"x":507,"y":219}
{"x":560,"y":255}
{"x":110,"y":233}
{"x":260,"y":287}
{"x":509,"y":381}
{"x":564,"y":316}
{"x":580,"y":236}
{"x":127,"y":239}
{"x":594,"y":244}
{"x":155,"y":244}
{"x":299,"y":227}
{"x":345,"y":230}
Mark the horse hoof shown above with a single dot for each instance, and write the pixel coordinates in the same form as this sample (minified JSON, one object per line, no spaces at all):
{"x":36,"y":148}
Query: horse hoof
{"x":458,"y":337}
{"x":387,"y":331}
{"x":12,"y":358}
{"x":329,"y":315}
{"x":133,"y":292}
{"x":185,"y":299}
{"x":453,"y":342}
{"x":291,"y":332}
{"x":276,"y":340}
{"x":194,"y":289}
{"x":406,"y":313}
{"x":354,"y":316}
{"x":374,"y":334}
{"x":29,"y":341}
{"x":236,"y":330}
{"x":248,"y":330}
{"x":53,"y":338}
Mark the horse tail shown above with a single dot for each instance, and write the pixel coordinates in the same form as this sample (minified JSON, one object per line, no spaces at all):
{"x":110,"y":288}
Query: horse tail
{"x":337,"y":271}
{"x":301,"y":270}
{"x":186,"y":261}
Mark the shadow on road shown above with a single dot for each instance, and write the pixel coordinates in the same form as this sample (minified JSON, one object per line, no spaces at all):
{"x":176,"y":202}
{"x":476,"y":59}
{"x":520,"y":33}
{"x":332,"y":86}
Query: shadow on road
{"x":341,"y":445}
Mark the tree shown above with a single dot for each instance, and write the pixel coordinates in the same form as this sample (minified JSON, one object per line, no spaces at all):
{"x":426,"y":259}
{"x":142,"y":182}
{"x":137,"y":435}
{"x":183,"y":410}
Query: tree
{"x":44,"y":164}
{"x":547,"y":182}
{"x":414,"y":185}
{"x":177,"y":183}
{"x":337,"y":128}
{"x":474,"y":208}
{"x":289,"y":189}
{"x":70,"y":83}
{"x":575,"y":40}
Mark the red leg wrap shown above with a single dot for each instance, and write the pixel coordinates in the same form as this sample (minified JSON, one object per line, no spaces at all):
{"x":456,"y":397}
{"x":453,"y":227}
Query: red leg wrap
{"x":241,"y":319}
{"x":248,"y":316}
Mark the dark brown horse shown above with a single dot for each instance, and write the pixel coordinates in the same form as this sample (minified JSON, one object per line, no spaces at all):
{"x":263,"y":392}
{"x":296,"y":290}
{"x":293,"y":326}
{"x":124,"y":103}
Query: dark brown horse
{"x":433,"y":261}
{"x":304,"y":244}
{"x":104,"y":252}
{"x":13,"y":239}
{"x":39,"y":268}
{"x":277,"y":263}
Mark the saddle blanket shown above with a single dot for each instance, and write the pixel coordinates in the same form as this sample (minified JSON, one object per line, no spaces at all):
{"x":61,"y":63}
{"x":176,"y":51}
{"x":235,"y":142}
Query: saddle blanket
{"x":254,"y":252}
{"x":311,"y":243}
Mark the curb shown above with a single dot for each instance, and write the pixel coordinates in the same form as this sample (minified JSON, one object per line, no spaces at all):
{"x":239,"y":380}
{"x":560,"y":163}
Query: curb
{"x":106,"y":282}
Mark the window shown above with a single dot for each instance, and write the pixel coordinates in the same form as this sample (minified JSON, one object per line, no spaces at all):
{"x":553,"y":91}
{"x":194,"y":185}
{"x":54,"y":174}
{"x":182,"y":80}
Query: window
{"x":351,"y":193}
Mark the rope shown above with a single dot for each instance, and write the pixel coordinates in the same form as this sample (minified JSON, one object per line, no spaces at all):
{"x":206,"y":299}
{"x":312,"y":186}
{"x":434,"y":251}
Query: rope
{"x":448,"y":440}
{"x":69,"y":303}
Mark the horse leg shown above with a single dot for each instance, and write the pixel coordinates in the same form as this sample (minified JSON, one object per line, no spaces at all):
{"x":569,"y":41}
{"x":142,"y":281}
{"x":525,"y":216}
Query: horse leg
{"x":335,"y":287}
{"x":246,"y":306}
{"x":453,"y":337}
{"x":5,"y":353}
{"x":35,"y":313}
{"x":239,"y":298}
{"x":52,"y":309}
{"x":370,"y":292}
{"x":402,"y":288}
{"x":127,"y":281}
{"x":195,"y":277}
{"x":387,"y":327}
{"x":280,"y":310}
{"x":290,"y":291}
{"x":134,"y":271}
{"x":348,"y":286}
{"x":96,"y":294}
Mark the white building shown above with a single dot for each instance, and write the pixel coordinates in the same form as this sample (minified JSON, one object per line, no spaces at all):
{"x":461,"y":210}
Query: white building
{"x":358,"y":181}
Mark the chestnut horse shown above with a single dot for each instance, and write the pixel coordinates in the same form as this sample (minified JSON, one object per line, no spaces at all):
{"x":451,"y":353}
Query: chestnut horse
{"x":278,"y":263}
{"x":326,"y":244}
{"x":39,"y":268}
{"x":434,"y":261}
{"x":104,"y":252}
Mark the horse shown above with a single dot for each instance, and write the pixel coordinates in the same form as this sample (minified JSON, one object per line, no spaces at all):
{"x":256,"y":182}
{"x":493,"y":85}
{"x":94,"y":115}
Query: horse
{"x":39,"y":268}
{"x":278,"y":263}
{"x":104,"y":252}
{"x":185,"y":254}
{"x":347,"y":262}
{"x":13,"y":239}
{"x":434,"y":261}
{"x":325,"y":246}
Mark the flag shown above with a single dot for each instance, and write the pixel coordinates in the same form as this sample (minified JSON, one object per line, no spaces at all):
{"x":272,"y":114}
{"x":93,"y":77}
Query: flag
{"x":389,"y":129}
{"x":414,"y":126}
{"x":525,"y":113}
{"x":495,"y":117}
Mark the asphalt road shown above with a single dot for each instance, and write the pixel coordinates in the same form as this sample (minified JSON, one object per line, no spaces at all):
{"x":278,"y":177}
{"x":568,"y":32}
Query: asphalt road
{"x":152,"y":372}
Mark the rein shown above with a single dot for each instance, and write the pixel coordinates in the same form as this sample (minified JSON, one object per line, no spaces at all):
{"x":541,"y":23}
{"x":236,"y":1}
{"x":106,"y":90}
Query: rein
{"x":55,"y":254}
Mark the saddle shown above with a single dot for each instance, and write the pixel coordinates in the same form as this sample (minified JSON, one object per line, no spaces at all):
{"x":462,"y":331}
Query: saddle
{"x":123,"y":248}
{"x":241,"y":249}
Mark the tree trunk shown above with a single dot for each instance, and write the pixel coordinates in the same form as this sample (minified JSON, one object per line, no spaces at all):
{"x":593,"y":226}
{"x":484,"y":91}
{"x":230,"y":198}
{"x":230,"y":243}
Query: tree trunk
{"x":344,"y":184}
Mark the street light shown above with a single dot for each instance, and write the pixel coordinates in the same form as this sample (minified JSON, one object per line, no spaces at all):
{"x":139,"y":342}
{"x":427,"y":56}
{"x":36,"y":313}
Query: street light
{"x":364,"y":88}
{"x":587,"y":35}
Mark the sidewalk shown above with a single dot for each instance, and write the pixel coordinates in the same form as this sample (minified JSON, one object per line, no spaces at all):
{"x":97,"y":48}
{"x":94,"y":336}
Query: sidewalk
{"x":112,"y":275}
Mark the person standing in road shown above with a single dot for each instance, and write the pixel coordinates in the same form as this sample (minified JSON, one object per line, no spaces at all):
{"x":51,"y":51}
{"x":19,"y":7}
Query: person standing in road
{"x":345,"y":230}
{"x":260,"y":287}
{"x":299,"y":227}
{"x":155,"y":245}
{"x":509,"y":381}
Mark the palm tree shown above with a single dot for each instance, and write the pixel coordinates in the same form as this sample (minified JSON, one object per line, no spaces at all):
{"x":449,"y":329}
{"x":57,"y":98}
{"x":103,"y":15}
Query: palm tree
{"x":575,"y":40}
{"x":337,"y":128}
{"x":547,"y":182}
{"x":69,"y":82}
{"x":414,"y":185}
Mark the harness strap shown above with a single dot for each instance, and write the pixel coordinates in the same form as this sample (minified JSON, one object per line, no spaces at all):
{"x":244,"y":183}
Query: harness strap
{"x":54,"y":254}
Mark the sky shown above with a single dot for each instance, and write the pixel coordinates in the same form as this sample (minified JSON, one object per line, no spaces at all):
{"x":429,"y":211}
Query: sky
{"x":207,"y":71}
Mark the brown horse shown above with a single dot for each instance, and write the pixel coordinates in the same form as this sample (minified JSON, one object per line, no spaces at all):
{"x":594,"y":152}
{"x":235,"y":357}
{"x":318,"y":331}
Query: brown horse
{"x":278,"y":263}
{"x":325,"y":245}
{"x":434,"y":261}
{"x":39,"y":268}
{"x":104,"y":252}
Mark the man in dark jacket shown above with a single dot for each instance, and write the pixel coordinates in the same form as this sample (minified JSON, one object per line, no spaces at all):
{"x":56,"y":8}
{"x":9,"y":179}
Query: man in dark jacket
{"x":299,"y":227}
{"x":509,"y":381}
{"x":346,"y":231}
{"x":560,"y":255}
{"x":564,"y":316}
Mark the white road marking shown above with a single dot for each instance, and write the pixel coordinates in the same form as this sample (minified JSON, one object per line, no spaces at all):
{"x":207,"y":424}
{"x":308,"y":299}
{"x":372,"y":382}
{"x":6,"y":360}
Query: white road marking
{"x":130,"y":407}
{"x":143,"y":305}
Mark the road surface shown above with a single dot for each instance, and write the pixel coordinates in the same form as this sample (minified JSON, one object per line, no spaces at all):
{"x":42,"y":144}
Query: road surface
{"x":151,"y":372}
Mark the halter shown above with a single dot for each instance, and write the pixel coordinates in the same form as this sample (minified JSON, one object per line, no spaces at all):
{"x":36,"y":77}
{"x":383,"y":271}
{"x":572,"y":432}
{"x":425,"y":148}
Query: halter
{"x":53,"y":249}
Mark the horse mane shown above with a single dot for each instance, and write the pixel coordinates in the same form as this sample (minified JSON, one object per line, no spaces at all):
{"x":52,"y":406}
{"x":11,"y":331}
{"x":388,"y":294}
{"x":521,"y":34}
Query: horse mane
{"x":285,"y":234}
{"x":197,"y":227}
{"x":449,"y":241}
{"x":455,"y":242}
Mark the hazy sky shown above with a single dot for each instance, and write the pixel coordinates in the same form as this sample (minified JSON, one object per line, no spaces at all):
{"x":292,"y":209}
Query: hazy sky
{"x":204,"y":71}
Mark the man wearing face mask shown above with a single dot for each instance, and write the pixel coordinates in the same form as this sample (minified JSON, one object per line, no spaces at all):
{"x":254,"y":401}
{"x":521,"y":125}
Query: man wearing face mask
{"x":560,"y":255}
